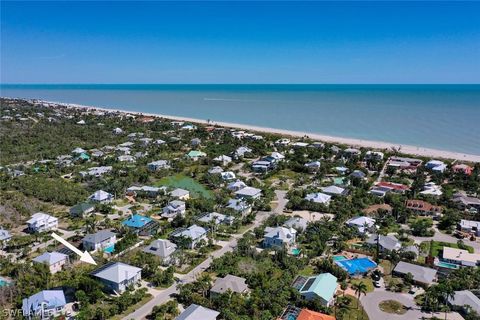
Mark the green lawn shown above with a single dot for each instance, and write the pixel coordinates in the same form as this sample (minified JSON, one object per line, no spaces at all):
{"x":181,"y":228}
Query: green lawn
{"x":367,"y":281}
{"x":438,"y":247}
{"x":353,"y":312}
{"x":392,"y":306}
{"x":181,"y":181}
{"x":307,"y":271}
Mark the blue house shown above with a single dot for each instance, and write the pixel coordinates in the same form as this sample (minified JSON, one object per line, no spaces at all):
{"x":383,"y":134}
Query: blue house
{"x":322,"y":287}
{"x":45,"y":304}
{"x":141,"y":225}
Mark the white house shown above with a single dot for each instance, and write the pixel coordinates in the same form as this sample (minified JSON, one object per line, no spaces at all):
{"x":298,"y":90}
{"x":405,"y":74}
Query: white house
{"x":436,"y":165}
{"x":223,"y":160}
{"x":162,"y":248}
{"x":279,"y":236}
{"x":363,"y":224}
{"x":54,"y":260}
{"x":240,"y":206}
{"x":101,"y":196}
{"x":248,"y":193}
{"x":228,"y":175}
{"x":42,"y":222}
{"x":43,"y":305}
{"x":236,"y":185}
{"x":5,"y":237}
{"x":173,"y":209}
{"x":319,"y":197}
{"x":334,"y":190}
{"x":180,"y":194}
{"x":241,"y":151}
{"x":460,"y":257}
{"x":117,"y":276}
{"x":193,"y":233}
{"x":158,"y":165}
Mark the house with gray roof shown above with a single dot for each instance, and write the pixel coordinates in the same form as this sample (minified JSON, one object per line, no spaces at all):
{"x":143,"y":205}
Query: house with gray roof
{"x":173,"y":209}
{"x":54,"y":260}
{"x":162,"y":248}
{"x":180,"y":194}
{"x":421,"y":275}
{"x":194,"y":234}
{"x":196,"y":312}
{"x":279,"y":237}
{"x":248,"y":193}
{"x":5,"y":236}
{"x":117,"y":276}
{"x":334,"y":190}
{"x":99,"y":240}
{"x":386,"y":243}
{"x":229,"y":282}
{"x":82,"y":209}
{"x":464,"y":298}
{"x":216,"y":218}
{"x":44,"y":305}
{"x":240,"y":206}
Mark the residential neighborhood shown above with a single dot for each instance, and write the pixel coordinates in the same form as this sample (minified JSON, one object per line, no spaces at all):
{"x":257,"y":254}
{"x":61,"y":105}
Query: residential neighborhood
{"x":198,"y":221}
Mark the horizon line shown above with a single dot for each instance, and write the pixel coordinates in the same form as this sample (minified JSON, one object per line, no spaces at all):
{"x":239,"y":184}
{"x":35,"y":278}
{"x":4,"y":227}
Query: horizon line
{"x":243,"y":83}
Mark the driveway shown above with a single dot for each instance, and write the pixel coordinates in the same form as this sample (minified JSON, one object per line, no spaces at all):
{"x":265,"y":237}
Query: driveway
{"x":371,"y":301}
{"x":165,"y":295}
{"x":281,"y":201}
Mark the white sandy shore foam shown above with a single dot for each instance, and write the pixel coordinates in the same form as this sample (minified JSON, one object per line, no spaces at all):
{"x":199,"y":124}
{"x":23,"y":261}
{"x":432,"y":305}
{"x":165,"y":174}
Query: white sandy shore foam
{"x":406,"y":149}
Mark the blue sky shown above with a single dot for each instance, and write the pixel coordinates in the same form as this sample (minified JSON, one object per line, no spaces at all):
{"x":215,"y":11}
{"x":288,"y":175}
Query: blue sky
{"x":249,"y":42}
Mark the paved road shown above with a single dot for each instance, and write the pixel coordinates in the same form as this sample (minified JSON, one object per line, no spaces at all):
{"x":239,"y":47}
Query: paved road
{"x":439,"y":236}
{"x":371,"y":300}
{"x":165,"y":295}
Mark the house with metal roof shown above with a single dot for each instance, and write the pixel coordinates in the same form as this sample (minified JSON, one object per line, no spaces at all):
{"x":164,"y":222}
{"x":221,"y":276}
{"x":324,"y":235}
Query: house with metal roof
{"x":248,"y":193}
{"x":334,"y":190}
{"x":196,"y":312}
{"x":117,"y":276}
{"x":362,"y":224}
{"x":463,"y":299}
{"x":194,"y":234}
{"x":101,"y":196}
{"x":82,"y":209}
{"x":173,"y":209}
{"x":141,"y":224}
{"x":279,"y":237}
{"x":229,"y":283}
{"x":386,"y":243}
{"x":162,"y":248}
{"x":236,"y":185}
{"x":180,"y":194}
{"x":99,"y":240}
{"x":5,"y":236}
{"x":421,"y":275}
{"x":319,"y":197}
{"x":42,"y":222}
{"x":216,"y":218}
{"x":44,"y":305}
{"x":322,"y":287}
{"x":158,"y":165}
{"x":54,"y":260}
{"x":195,"y":155}
{"x":240,"y":206}
{"x":297,"y":223}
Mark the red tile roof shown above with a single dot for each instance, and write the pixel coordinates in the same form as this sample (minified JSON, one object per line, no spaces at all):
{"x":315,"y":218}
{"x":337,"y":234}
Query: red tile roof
{"x":306,"y":314}
{"x":421,"y":205}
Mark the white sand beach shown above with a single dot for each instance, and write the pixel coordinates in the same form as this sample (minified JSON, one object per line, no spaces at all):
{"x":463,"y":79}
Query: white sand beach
{"x":379,"y":145}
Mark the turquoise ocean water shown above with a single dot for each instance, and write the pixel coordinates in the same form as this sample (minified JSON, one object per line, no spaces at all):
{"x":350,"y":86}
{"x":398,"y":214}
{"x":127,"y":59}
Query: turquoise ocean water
{"x":445,"y":117}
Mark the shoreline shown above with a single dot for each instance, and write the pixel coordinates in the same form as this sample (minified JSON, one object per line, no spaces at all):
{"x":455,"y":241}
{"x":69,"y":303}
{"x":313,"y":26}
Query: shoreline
{"x":353,"y":142}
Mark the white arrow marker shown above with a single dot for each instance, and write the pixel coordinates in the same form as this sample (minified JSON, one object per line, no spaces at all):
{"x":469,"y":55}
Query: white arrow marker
{"x":84,"y":256}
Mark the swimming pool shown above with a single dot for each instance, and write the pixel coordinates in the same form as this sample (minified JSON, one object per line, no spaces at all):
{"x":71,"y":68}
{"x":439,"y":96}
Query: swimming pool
{"x":3,"y":283}
{"x":296,"y":251}
{"x":109,"y":249}
{"x":339,"y":258}
{"x":446,"y":265}
{"x":356,"y":266}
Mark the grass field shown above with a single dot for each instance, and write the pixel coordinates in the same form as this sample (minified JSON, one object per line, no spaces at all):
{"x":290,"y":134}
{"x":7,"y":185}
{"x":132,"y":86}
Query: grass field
{"x":181,"y":181}
{"x":367,"y":281}
{"x":438,"y":247}
{"x":392,"y":306}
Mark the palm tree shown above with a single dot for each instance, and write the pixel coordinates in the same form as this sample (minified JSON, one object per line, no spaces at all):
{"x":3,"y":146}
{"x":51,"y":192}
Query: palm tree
{"x":359,"y":288}
{"x":448,"y":293}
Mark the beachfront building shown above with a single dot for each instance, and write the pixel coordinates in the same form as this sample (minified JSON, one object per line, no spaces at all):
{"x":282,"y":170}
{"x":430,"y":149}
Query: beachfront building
{"x":101,"y":196}
{"x":403,"y":163}
{"x":117,"y":276}
{"x":279,"y":237}
{"x":468,"y":226}
{"x":41,"y":222}
{"x":431,"y":189}
{"x":44,"y":305}
{"x":460,"y":257}
{"x":319,"y":197}
{"x":54,"y":260}
{"x":362,"y":224}
{"x":421,"y":275}
{"x":230,"y":283}
{"x":463,"y":168}
{"x":163,"y":249}
{"x":373,"y":155}
{"x":98,"y":241}
{"x":322,"y":287}
{"x":248,"y":193}
{"x":436,"y":166}
{"x":196,"y":312}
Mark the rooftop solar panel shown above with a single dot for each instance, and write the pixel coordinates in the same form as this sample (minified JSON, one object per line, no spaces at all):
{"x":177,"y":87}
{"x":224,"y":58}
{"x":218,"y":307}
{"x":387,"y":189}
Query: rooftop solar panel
{"x":308,"y":284}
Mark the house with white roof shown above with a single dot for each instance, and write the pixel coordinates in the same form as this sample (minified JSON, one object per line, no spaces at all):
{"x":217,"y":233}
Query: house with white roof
{"x":297,"y":223}
{"x":215,"y":170}
{"x":173,"y":209}
{"x":430,"y":188}
{"x":469,"y":226}
{"x":126,"y":158}
{"x":196,"y":312}
{"x":158,"y":165}
{"x":44,"y":305}
{"x":180,"y":194}
{"x":101,"y":196}
{"x":313,"y":166}
{"x":460,"y":257}
{"x":194,"y":234}
{"x":163,"y":249}
{"x":240,"y":206}
{"x":223,"y":160}
{"x":248,"y":193}
{"x":362,"y":223}
{"x":42,"y":222}
{"x":436,"y":165}
{"x":216,"y":218}
{"x":228,"y":175}
{"x":279,"y":237}
{"x":54,"y":260}
{"x":117,"y":276}
{"x":386,"y":243}
{"x":282,"y":142}
{"x":241,"y":151}
{"x":117,"y":131}
{"x":319,"y":197}
{"x":230,"y":283}
{"x":99,"y":240}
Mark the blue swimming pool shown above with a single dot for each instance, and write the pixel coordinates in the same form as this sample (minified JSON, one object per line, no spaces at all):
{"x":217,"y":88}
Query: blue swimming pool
{"x":3,"y":283}
{"x":339,"y":258}
{"x":447,"y":265}
{"x":109,"y":249}
{"x":296,"y":251}
{"x":356,"y":266}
